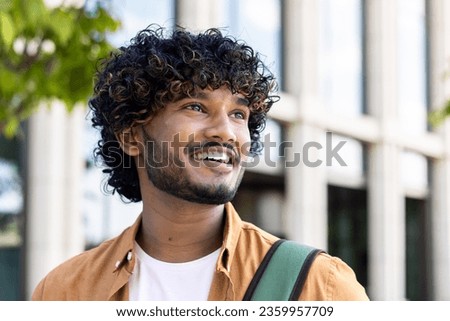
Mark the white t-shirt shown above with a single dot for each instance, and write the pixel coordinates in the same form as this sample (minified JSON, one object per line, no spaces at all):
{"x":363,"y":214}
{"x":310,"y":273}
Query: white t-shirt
{"x":154,"y":280}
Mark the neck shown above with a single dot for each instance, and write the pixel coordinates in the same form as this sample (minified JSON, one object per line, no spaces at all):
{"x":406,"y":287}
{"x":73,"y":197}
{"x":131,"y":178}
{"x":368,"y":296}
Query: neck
{"x":174,"y":230}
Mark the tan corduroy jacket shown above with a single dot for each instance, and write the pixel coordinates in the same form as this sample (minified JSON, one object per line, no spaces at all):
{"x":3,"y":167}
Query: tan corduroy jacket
{"x":102,"y":273}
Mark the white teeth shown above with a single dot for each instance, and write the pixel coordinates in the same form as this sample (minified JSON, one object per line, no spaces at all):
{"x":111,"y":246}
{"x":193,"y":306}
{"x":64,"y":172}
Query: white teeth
{"x":215,"y":156}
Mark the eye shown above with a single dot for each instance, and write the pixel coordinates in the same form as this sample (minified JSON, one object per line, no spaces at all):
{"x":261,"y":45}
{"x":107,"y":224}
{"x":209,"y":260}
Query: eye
{"x":239,"y":114}
{"x":195,"y":107}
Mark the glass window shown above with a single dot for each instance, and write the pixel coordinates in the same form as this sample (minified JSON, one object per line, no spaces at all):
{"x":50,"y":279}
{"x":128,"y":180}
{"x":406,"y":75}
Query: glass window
{"x":135,"y":16}
{"x":415,"y":181}
{"x":345,"y":159}
{"x":347,"y":228}
{"x":260,"y":200}
{"x":412,"y":88}
{"x":414,"y":173}
{"x":258,"y":23}
{"x":11,"y":197}
{"x":417,"y":254}
{"x":340,"y":56}
{"x":11,"y":218}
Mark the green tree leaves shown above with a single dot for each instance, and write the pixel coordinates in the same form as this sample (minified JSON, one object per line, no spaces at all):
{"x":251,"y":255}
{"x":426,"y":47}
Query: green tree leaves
{"x":438,"y":116}
{"x":48,"y":53}
{"x":6,"y":29}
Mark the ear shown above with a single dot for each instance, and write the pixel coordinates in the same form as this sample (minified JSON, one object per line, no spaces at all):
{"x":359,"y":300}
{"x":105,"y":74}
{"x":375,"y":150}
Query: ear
{"x":130,"y":141}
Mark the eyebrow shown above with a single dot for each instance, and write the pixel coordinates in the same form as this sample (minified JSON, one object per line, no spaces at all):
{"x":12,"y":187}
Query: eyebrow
{"x":239,"y":100}
{"x":243,"y":101}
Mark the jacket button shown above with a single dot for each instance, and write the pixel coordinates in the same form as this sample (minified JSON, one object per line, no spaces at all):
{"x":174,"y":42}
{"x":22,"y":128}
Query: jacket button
{"x":129,"y":256}
{"x":117,"y":264}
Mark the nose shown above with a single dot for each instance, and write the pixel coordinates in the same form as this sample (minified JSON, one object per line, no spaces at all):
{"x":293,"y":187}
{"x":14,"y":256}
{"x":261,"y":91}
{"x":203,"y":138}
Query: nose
{"x":221,"y":129}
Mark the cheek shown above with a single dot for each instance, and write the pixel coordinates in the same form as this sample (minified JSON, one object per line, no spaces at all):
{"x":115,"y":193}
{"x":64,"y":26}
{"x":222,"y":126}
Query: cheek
{"x":175,"y":133}
{"x":180,"y":137}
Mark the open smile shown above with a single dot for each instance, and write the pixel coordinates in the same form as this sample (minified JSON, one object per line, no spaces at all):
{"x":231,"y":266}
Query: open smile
{"x":214,"y":155}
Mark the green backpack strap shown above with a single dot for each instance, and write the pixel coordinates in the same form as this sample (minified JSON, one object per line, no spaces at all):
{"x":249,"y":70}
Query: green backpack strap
{"x":282,"y":273}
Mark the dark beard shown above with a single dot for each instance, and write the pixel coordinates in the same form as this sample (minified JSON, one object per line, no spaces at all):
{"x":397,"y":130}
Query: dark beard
{"x":168,"y":174}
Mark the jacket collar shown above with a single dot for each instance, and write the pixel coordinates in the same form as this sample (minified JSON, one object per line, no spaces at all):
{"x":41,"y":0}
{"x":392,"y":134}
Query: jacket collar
{"x":124,"y":260}
{"x":230,"y":237}
{"x":125,"y":250}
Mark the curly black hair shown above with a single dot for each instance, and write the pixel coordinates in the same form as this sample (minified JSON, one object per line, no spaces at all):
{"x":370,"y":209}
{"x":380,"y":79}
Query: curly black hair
{"x":138,"y":80}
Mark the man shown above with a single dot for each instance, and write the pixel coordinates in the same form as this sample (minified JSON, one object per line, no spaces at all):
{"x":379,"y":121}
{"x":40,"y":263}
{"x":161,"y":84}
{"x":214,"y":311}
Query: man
{"x":179,"y":116}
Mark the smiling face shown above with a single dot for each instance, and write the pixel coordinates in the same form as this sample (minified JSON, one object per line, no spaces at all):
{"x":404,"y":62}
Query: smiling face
{"x":195,"y":146}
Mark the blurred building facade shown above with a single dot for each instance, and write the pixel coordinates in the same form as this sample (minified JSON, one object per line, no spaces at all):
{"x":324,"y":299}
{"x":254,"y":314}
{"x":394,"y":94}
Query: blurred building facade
{"x":351,"y":163}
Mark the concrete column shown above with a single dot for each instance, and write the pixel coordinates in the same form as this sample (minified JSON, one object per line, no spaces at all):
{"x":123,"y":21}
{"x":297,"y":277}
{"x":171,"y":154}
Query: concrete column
{"x":55,"y":167}
{"x":197,"y":15}
{"x":306,"y":188}
{"x":439,"y":31}
{"x":387,"y":246}
{"x":387,"y":268}
{"x":440,"y":228}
